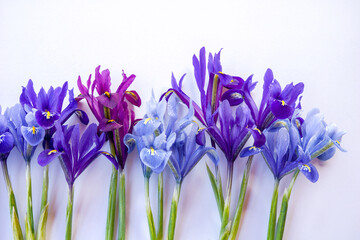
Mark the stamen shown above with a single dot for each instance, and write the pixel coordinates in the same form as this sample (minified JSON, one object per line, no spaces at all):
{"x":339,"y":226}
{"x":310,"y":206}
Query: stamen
{"x":258,"y":130}
{"x":168,"y":93}
{"x":33,"y":130}
{"x":110,"y":121}
{"x":306,"y":168}
{"x":147,"y":120}
{"x":52,"y":151}
{"x":232,"y":80}
{"x":107,"y":94}
{"x":152,"y":151}
{"x":236,"y":95}
{"x":282,"y":103}
{"x":131,"y":93}
{"x":106,"y":153}
{"x":199,"y":130}
{"x":48,"y":114}
{"x":253,"y":147}
{"x":337,"y":142}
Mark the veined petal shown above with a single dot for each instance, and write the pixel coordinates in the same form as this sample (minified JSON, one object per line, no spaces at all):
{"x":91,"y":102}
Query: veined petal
{"x":110,"y":100}
{"x":234,"y":96}
{"x":108,"y":125}
{"x":6,"y":142}
{"x":170,"y":141}
{"x":130,"y":141}
{"x":48,"y":155}
{"x":309,"y":171}
{"x":133,"y":97}
{"x":200,"y":137}
{"x":153,"y":158}
{"x":249,"y":151}
{"x":196,"y":156}
{"x":33,"y":135}
{"x":46,"y":119}
{"x":281,"y":109}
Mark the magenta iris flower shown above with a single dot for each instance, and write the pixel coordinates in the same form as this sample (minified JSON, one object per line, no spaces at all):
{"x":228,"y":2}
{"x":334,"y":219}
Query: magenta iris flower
{"x":120,"y":117}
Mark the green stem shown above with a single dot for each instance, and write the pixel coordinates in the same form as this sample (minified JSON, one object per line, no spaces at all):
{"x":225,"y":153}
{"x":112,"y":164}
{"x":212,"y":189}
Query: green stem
{"x":272,"y":218}
{"x":148,"y":210}
{"x":12,"y":203}
{"x":122,"y":207}
{"x":45,"y":188}
{"x":111,"y":205}
{"x":225,"y":216}
{"x":29,"y":212}
{"x":173,"y":211}
{"x":245,"y":179}
{"x":160,"y":206}
{"x":69,"y":213}
{"x":284,"y":206}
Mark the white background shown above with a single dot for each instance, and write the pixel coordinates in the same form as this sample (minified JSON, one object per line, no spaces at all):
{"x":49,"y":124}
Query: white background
{"x":316,"y":42}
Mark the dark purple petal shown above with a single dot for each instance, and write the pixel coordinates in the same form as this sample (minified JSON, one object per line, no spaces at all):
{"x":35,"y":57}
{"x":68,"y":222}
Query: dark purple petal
{"x":259,"y":137}
{"x":46,"y":119}
{"x":249,"y":100}
{"x":102,"y":81}
{"x":200,"y":69}
{"x":61,"y":96}
{"x":297,"y":90}
{"x":6,"y":142}
{"x":309,"y":171}
{"x":268,"y":78}
{"x":133,"y":97}
{"x":234,"y":96}
{"x":46,"y":156}
{"x":200,"y":137}
{"x":281,"y":110}
{"x":42,"y":100}
{"x":28,"y":95}
{"x":87,"y":139}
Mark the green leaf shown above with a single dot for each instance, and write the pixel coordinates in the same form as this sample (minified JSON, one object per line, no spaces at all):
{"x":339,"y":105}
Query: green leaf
{"x":41,"y":231}
{"x":29,"y":233}
{"x":215,"y":190}
{"x":282,"y":217}
{"x":17,"y":234}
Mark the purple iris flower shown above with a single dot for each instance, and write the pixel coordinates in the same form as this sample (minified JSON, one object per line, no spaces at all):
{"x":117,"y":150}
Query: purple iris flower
{"x":47,"y":107}
{"x":223,"y":91}
{"x":26,"y":131}
{"x":113,"y":110}
{"x":6,"y":138}
{"x":186,"y":153}
{"x":75,"y":153}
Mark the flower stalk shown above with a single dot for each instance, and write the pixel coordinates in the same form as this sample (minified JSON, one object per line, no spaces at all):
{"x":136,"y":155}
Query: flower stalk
{"x":17,"y":234}
{"x":122,"y":206}
{"x":160,"y":206}
{"x":69,"y":213}
{"x":29,"y":211}
{"x":225,"y":216}
{"x":238,"y":212}
{"x":272,"y":218}
{"x":111,"y":205}
{"x":148,"y":210}
{"x":173,"y":211}
{"x":284,"y":206}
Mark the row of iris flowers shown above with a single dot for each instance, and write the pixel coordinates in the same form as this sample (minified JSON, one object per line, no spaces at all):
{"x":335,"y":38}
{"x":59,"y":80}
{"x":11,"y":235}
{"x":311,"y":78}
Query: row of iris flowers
{"x":167,"y":139}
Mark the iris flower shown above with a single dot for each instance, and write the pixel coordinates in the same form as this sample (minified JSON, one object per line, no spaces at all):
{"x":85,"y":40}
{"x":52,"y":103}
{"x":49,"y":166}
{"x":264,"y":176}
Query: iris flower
{"x":154,"y":137}
{"x":116,"y":117}
{"x":185,"y":155}
{"x":75,"y":154}
{"x":27,"y":136}
{"x":290,"y":146}
{"x":6,"y":145}
{"x":47,"y":108}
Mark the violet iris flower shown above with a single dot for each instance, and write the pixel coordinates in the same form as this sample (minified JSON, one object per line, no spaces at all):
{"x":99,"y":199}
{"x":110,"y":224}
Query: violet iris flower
{"x":113,"y":110}
{"x":210,"y":109}
{"x":75,"y":153}
{"x":275,"y":104}
{"x":186,"y":153}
